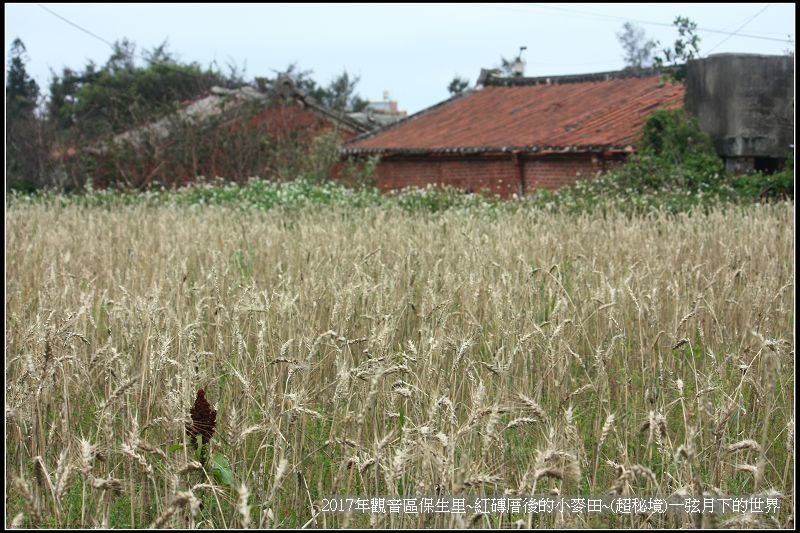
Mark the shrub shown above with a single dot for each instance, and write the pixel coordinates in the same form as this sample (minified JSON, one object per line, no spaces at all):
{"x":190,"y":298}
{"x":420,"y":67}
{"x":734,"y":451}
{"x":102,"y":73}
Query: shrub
{"x":673,"y":153}
{"x":761,"y":186}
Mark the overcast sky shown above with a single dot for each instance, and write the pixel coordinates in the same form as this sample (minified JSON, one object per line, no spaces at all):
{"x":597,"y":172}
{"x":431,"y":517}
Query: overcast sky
{"x":412,"y":51}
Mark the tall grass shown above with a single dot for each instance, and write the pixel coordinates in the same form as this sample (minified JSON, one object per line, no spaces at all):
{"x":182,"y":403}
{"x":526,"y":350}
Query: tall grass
{"x":377,"y":352}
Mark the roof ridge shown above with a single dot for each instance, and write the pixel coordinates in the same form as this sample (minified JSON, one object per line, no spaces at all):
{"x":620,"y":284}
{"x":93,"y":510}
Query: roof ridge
{"x":495,"y":81}
{"x":284,"y":87}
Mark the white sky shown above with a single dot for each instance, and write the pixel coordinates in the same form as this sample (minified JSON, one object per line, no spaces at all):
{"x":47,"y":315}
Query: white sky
{"x":410,"y":50}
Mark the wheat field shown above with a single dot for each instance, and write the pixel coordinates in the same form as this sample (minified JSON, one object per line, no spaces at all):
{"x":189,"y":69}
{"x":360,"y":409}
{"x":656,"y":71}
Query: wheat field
{"x":381,"y":353}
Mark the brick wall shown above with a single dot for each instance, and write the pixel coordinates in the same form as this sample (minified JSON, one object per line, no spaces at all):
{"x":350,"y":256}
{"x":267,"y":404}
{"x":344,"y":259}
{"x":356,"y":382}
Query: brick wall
{"x":554,"y":171}
{"x":478,"y":174}
{"x":495,"y":174}
{"x":295,"y":121}
{"x":232,"y":149}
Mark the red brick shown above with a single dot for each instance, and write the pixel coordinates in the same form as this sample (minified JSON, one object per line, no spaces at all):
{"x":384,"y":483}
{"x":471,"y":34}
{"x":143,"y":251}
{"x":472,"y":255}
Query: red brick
{"x":496,"y":175}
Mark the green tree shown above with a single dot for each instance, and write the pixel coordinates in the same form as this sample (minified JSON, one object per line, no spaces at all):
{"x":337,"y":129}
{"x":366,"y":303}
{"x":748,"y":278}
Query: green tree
{"x":686,"y":47}
{"x":638,"y":49}
{"x":122,"y":94}
{"x":458,"y":85}
{"x":339,"y":95}
{"x":22,"y":91}
{"x":23,"y":158}
{"x":673,"y":153}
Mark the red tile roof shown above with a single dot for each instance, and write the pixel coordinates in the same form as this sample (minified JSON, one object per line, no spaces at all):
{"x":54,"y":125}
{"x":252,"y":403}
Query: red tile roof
{"x":529,"y":114}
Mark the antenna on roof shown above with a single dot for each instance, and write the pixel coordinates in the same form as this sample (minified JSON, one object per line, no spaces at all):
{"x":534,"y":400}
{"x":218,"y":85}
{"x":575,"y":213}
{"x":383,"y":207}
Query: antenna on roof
{"x":518,"y":68}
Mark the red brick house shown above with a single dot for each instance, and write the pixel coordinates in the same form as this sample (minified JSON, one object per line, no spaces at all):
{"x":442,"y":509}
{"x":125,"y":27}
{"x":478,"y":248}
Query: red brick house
{"x":230,"y":133}
{"x":513,"y":135}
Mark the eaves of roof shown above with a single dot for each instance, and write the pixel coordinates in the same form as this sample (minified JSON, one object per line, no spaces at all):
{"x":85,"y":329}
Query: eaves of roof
{"x":339,"y":118}
{"x":494,"y":150}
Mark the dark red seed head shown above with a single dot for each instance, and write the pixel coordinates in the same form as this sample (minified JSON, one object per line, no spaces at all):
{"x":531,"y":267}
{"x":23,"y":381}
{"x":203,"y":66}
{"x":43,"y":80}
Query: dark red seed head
{"x":204,"y":419}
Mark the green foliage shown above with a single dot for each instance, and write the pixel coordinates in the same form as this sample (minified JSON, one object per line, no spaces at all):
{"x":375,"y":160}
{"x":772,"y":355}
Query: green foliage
{"x":90,"y":107}
{"x":21,"y":90}
{"x":15,"y":181}
{"x":221,"y":469}
{"x":638,"y":49}
{"x":122,"y":93}
{"x":457,"y":85}
{"x":175,"y":447}
{"x":266,"y":195}
{"x":604,"y":193}
{"x":673,"y":153}
{"x":686,"y":47}
{"x":436,"y":199}
{"x":322,"y":156}
{"x":133,"y":89}
{"x":675,"y":170}
{"x":339,"y":95}
{"x":23,"y":145}
{"x":200,"y":451}
{"x":360,"y":174}
{"x":776,"y":186}
{"x":607,"y":194}
{"x":233,"y":145}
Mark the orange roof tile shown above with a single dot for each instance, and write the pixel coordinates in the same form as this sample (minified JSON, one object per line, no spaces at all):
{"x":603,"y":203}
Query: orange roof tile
{"x":530,"y":114}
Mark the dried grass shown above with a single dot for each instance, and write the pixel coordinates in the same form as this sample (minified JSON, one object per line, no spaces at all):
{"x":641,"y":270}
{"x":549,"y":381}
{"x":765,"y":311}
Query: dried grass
{"x":391,"y":354}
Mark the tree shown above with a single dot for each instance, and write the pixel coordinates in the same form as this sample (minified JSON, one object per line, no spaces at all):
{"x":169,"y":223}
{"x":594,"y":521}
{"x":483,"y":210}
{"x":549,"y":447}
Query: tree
{"x":22,"y":128}
{"x":458,"y":85}
{"x":685,"y":48}
{"x":123,"y":59}
{"x":673,"y":153}
{"x":22,"y":91}
{"x":339,"y":95}
{"x":638,"y":49}
{"x":122,"y":94}
{"x":506,"y":67}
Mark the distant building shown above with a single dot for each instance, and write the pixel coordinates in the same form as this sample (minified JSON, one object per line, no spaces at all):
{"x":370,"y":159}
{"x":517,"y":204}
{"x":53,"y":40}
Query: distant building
{"x":514,"y":135}
{"x":287,"y":117}
{"x":745,"y":102}
{"x":379,"y":114}
{"x":279,"y":107}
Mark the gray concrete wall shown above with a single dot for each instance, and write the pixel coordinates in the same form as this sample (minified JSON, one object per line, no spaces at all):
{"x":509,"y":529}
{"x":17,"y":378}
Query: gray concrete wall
{"x":744,"y":102}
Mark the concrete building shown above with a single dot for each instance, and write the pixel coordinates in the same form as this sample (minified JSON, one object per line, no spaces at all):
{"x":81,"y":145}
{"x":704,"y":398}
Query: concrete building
{"x":379,"y":114}
{"x":745,"y":102}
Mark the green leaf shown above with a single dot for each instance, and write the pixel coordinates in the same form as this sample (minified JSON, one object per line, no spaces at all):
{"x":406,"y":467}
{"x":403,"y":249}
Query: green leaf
{"x":175,"y":448}
{"x":221,"y":469}
{"x":198,"y":450}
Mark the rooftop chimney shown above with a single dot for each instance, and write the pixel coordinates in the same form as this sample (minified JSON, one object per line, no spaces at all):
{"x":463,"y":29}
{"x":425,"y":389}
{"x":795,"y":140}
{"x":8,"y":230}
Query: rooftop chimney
{"x":518,"y":68}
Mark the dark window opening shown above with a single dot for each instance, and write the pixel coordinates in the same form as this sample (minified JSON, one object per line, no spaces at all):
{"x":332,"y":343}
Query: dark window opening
{"x":767,"y":165}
